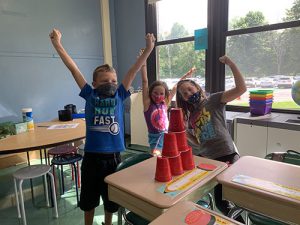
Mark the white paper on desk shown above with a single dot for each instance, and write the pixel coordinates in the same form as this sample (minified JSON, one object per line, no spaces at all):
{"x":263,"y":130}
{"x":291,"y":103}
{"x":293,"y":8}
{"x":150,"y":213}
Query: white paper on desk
{"x":290,"y":192}
{"x":63,"y":126}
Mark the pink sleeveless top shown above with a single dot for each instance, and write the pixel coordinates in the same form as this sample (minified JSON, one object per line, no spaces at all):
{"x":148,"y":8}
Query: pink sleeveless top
{"x":156,"y":118}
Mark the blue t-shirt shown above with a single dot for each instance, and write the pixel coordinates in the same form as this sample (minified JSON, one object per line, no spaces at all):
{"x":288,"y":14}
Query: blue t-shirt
{"x":104,"y":120}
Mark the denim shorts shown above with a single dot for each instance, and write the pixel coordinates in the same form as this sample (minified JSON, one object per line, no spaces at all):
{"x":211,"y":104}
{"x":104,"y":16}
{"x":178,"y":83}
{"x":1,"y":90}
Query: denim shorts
{"x":156,"y":141}
{"x":95,"y":167}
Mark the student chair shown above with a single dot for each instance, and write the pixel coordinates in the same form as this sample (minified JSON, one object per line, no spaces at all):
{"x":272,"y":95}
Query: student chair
{"x":291,"y":157}
{"x":210,"y":204}
{"x":31,"y":172}
{"x":130,"y":217}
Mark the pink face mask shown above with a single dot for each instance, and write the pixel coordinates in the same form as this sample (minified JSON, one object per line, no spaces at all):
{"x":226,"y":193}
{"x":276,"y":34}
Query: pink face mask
{"x":158,"y":98}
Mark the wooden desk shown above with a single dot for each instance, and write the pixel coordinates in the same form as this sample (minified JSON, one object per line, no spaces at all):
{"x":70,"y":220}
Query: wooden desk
{"x":265,"y":202}
{"x":186,"y":210}
{"x":41,"y":137}
{"x":136,"y":189}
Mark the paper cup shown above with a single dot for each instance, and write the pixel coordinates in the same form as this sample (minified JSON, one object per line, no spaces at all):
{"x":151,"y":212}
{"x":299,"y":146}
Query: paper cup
{"x":163,"y":171}
{"x":170,"y":145}
{"x":176,"y":165}
{"x":187,"y":159}
{"x":181,"y":139}
{"x":176,"y":123}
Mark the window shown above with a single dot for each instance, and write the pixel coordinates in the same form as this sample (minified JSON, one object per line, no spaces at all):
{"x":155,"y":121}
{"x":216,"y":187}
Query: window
{"x":176,"y":59}
{"x":179,"y":18}
{"x":262,"y":40}
{"x":176,"y":22}
{"x":255,"y":10}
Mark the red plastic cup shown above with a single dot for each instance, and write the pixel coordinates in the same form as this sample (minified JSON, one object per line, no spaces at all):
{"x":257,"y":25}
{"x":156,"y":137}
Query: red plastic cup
{"x":187,"y":159}
{"x":176,"y":165}
{"x":176,"y":123}
{"x":170,"y":145}
{"x":163,"y":171}
{"x":181,"y":139}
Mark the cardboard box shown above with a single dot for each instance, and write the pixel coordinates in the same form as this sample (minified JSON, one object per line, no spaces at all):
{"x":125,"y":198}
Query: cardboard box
{"x":20,"y":127}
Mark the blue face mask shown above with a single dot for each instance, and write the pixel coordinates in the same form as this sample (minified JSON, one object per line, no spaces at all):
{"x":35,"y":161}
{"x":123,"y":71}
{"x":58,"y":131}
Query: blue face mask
{"x":194,"y":98}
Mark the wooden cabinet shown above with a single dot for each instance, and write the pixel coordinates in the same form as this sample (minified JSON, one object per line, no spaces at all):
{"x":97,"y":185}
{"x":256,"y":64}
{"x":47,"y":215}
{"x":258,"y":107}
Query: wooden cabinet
{"x":280,"y":140}
{"x":251,"y":140}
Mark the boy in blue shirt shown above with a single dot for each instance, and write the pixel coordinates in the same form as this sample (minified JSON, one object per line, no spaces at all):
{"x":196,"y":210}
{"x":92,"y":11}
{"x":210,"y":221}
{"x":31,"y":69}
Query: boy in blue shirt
{"x":104,"y":126}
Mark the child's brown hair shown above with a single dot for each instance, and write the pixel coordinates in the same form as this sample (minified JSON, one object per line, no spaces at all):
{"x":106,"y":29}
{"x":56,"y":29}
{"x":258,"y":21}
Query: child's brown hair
{"x":102,"y":68}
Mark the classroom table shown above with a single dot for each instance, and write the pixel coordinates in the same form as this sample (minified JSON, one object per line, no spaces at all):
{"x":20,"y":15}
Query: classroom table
{"x":187,"y":212}
{"x":264,"y":186}
{"x":41,"y":137}
{"x":136,"y":189}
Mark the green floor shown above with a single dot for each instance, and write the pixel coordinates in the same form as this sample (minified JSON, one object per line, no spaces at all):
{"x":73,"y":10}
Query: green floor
{"x":37,"y":213}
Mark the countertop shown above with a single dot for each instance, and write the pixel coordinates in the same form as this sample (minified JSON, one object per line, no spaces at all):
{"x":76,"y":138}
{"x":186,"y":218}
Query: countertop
{"x":276,"y":120}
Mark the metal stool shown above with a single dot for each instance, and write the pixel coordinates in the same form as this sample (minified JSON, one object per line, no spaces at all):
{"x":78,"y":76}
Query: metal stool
{"x":31,"y":172}
{"x":65,"y":160}
{"x":62,"y":150}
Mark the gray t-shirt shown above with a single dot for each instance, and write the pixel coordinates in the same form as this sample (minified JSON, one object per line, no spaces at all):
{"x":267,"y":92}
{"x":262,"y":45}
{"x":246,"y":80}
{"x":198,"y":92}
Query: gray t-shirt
{"x":208,"y":125}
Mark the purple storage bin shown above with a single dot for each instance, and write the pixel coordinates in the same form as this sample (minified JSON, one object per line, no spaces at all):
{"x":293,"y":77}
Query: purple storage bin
{"x":261,"y":101}
{"x":260,"y":109}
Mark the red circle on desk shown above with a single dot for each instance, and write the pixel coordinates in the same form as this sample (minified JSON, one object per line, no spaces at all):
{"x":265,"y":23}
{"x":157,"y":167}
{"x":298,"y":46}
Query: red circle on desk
{"x":205,"y":166}
{"x":197,"y":217}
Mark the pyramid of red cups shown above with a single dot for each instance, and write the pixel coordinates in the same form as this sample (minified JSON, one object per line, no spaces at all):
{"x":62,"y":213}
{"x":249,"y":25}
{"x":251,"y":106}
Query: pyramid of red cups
{"x":177,"y":155}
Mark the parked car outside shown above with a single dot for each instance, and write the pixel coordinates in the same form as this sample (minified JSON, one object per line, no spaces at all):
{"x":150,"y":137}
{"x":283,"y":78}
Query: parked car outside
{"x":267,"y":82}
{"x":251,"y":82}
{"x":170,"y":82}
{"x":229,"y":83}
{"x":285,"y":82}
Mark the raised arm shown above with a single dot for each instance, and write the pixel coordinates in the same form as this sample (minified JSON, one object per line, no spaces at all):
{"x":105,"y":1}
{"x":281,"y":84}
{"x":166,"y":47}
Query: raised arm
{"x":145,"y":88}
{"x":55,"y":37}
{"x":184,"y":76}
{"x":129,"y":77}
{"x":240,"y":86}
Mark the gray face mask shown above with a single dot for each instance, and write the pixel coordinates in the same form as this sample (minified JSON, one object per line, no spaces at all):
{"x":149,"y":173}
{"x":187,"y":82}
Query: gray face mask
{"x":106,"y":90}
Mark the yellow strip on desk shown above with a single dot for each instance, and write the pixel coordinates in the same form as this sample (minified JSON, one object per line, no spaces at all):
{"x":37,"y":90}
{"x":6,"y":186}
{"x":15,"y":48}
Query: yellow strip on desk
{"x":185,"y":180}
{"x":290,"y":192}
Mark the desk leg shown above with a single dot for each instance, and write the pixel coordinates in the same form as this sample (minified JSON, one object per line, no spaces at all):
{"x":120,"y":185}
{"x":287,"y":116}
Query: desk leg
{"x":45,"y":156}
{"x":41,"y":156}
{"x":28,"y":159}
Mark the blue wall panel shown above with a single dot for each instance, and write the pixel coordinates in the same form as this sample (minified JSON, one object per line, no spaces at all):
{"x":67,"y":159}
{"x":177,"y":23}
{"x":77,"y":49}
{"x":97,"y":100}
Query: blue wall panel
{"x":130,"y":34}
{"x":31,"y":73}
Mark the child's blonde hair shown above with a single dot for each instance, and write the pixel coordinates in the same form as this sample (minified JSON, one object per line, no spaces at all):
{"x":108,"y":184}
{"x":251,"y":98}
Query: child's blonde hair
{"x":181,"y":103}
